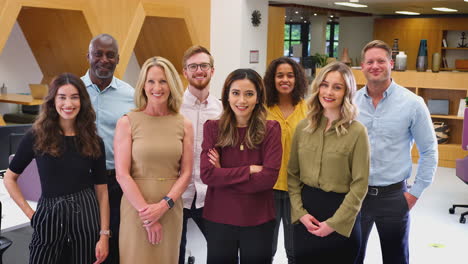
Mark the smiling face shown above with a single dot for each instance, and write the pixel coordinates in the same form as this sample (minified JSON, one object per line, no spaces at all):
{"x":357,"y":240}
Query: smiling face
{"x":67,"y":102}
{"x":156,"y":87}
{"x":103,"y":57}
{"x":242,"y":100}
{"x":377,"y":66}
{"x":331,"y":92}
{"x":284,"y":79}
{"x":199,"y":78}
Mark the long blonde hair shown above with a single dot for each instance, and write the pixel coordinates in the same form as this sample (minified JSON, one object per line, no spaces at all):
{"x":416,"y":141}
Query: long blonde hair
{"x":175,"y":84}
{"x":348,"y":108}
{"x":256,"y":128}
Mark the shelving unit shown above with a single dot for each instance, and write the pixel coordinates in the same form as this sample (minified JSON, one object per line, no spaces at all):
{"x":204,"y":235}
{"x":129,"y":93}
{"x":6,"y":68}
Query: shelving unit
{"x":452,"y":52}
{"x":451,"y":86}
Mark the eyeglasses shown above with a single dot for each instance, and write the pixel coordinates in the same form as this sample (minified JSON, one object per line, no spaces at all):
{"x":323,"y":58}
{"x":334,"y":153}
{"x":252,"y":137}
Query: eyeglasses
{"x":204,"y":67}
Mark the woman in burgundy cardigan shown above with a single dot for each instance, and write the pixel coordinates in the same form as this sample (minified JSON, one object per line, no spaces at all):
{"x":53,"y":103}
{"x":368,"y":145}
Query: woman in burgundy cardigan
{"x":240,"y":161}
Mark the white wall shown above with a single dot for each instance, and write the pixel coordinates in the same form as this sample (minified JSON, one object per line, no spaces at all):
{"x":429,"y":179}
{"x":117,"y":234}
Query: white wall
{"x":318,"y":29}
{"x":18,"y":67}
{"x":233,"y":36}
{"x":132,"y":71}
{"x":355,"y":33}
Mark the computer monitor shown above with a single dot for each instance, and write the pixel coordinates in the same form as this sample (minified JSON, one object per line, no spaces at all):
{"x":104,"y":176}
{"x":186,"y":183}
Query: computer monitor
{"x":10,"y":137}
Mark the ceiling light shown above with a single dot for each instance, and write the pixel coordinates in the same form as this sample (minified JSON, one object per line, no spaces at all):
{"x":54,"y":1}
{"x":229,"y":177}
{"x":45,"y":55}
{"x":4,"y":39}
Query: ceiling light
{"x":305,"y":21}
{"x":354,"y":1}
{"x":315,"y":14}
{"x":331,"y":16}
{"x":444,"y":9}
{"x":290,"y":20}
{"x":302,"y":17}
{"x":407,"y":13}
{"x":348,"y":4}
{"x":297,"y":12}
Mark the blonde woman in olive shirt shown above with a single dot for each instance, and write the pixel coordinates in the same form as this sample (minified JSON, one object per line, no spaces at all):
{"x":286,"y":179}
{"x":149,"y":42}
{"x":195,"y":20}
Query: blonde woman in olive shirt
{"x":328,"y":171}
{"x":285,"y":84}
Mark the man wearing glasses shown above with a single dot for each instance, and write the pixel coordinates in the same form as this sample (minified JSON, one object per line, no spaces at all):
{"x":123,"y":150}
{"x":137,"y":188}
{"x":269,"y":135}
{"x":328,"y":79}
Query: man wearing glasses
{"x":198,"y":106}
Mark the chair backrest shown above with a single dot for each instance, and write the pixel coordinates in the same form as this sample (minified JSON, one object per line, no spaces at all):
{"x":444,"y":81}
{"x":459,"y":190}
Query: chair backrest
{"x":29,"y":182}
{"x":465,"y":131}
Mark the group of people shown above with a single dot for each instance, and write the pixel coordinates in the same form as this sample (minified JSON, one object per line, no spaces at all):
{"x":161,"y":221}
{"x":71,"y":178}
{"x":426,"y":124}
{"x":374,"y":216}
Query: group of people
{"x":122,"y":169}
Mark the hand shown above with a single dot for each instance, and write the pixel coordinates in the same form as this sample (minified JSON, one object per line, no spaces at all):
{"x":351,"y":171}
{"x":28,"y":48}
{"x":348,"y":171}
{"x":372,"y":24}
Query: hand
{"x":309,"y":222}
{"x":214,"y":158}
{"x":102,"y":249}
{"x":153,"y":212}
{"x":155,"y":233}
{"x":30,"y":214}
{"x":323,"y":230}
{"x":255,"y":169}
{"x":410,"y":199}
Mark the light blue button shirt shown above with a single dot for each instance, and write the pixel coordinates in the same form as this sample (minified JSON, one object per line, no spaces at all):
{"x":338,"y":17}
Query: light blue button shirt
{"x":110,"y":104}
{"x":400,"y":119}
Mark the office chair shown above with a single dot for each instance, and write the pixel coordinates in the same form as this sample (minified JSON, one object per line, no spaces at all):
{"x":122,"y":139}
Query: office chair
{"x":462,"y":167}
{"x":5,"y":243}
{"x":29,"y":182}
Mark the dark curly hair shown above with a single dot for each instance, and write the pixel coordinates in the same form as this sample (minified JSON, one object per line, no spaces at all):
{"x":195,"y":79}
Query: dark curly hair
{"x":47,"y":131}
{"x":300,"y":82}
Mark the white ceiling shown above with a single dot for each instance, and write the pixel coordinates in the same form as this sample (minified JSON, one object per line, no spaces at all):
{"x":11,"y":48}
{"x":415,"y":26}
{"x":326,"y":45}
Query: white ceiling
{"x":388,"y":7}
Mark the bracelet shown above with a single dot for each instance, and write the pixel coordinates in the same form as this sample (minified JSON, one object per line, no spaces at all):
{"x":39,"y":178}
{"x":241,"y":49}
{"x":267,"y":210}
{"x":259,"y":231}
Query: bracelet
{"x":105,"y":232}
{"x":169,"y":201}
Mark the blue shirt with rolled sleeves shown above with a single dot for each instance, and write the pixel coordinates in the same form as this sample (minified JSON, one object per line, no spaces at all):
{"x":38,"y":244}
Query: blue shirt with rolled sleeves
{"x":400,"y":119}
{"x":110,"y":104}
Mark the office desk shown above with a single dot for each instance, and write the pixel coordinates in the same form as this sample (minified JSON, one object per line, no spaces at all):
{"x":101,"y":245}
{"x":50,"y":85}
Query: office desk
{"x":12,"y":216}
{"x":19,"y":99}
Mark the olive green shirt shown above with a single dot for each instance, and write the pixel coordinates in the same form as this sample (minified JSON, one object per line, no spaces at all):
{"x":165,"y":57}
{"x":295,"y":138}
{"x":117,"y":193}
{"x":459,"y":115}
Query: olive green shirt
{"x":332,"y":163}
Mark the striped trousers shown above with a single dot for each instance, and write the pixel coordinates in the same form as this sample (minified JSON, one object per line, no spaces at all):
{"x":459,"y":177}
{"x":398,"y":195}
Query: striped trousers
{"x":66,"y":222}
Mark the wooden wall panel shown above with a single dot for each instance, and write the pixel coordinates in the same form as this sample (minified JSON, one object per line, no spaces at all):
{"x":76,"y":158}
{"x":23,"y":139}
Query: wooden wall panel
{"x":122,"y":19}
{"x":165,"y":37}
{"x":275,"y":42}
{"x":410,"y":31}
{"x":61,"y":42}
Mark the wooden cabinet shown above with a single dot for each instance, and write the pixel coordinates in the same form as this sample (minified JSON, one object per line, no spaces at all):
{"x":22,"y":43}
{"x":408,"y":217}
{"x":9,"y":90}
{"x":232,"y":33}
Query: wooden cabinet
{"x":450,"y":51}
{"x":451,"y":86}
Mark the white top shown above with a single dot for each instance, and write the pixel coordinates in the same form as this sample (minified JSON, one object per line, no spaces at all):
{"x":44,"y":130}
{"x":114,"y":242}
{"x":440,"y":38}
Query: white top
{"x":198,"y":113}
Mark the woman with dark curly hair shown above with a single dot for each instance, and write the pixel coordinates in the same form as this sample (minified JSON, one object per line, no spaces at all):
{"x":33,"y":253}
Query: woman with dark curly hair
{"x":73,"y":211}
{"x":240,"y":160}
{"x":286,"y":84}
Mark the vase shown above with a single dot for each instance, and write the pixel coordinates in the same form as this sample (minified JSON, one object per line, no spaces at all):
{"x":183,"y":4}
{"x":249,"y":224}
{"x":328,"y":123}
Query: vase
{"x":395,"y":51}
{"x":400,"y":61}
{"x":436,"y":62}
{"x":421,"y":62}
{"x":345,"y":57}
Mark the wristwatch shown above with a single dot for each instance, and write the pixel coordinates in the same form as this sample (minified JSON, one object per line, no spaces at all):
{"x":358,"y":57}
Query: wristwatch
{"x":169,"y":201}
{"x":105,"y":232}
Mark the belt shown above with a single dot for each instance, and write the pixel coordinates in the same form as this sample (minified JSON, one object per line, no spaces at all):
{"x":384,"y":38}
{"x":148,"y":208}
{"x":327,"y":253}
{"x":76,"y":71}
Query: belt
{"x":376,"y":190}
{"x":110,"y":172}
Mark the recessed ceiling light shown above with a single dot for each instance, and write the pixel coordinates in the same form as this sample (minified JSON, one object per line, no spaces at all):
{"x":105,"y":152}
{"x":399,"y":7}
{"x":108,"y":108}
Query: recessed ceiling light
{"x":315,"y":14}
{"x":350,"y":4}
{"x":305,"y":21}
{"x":444,"y":9}
{"x":297,"y":12}
{"x":285,"y":16}
{"x":331,"y":16}
{"x":354,"y":1}
{"x":407,"y":13}
{"x":302,"y":17}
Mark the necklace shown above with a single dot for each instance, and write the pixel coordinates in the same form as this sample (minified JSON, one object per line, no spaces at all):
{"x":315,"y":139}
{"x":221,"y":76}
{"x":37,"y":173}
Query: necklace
{"x":242,"y":146}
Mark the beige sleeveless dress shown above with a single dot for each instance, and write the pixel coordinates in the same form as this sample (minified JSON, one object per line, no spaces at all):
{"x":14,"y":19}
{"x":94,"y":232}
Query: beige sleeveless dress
{"x":156,"y":154}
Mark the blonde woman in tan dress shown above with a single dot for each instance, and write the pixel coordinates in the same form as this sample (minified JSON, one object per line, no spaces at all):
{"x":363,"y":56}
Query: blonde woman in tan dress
{"x":153,"y":159}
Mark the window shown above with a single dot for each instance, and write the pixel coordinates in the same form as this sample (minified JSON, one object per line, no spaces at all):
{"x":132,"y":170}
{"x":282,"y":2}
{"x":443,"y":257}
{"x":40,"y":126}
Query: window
{"x":333,"y":31}
{"x":296,"y":33}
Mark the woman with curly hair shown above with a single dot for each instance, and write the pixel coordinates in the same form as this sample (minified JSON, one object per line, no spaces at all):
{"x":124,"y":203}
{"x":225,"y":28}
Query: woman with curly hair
{"x":240,"y":159}
{"x":285,"y":84}
{"x":328,"y":171}
{"x":73,"y":211}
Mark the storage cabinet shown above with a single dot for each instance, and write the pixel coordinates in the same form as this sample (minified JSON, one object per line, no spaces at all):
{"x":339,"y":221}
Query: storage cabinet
{"x":450,"y":51}
{"x":451,"y":86}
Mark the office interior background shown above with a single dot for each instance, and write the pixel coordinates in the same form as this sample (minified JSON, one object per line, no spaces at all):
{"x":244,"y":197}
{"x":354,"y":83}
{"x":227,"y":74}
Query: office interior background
{"x":42,"y":38}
